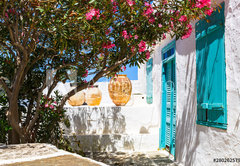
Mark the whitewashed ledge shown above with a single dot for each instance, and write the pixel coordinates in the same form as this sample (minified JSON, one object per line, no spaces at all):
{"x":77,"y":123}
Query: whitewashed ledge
{"x":112,"y":128}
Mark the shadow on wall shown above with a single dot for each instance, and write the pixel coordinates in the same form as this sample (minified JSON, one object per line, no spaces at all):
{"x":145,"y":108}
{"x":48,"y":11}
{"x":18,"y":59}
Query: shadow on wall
{"x":96,"y":120}
{"x":95,"y":129}
{"x":186,"y":142}
{"x":101,"y":143}
{"x":187,"y":131}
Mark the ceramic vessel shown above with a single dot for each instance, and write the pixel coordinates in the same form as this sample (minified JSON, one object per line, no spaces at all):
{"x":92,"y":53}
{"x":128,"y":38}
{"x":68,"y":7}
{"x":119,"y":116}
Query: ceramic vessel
{"x":77,"y":99}
{"x":120,"y":89}
{"x":93,"y":96}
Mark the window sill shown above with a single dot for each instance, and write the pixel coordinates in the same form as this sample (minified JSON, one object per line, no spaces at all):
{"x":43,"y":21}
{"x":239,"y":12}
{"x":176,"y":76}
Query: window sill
{"x":211,"y":124}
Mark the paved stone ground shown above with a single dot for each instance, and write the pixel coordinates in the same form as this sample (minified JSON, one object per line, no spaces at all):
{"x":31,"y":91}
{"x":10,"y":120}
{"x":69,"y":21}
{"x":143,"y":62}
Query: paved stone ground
{"x":36,"y":154}
{"x":132,"y":159}
{"x":66,"y":160}
{"x":48,"y":155}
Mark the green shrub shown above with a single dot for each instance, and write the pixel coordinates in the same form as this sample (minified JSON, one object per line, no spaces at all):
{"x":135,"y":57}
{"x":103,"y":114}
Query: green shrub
{"x":4,"y":126}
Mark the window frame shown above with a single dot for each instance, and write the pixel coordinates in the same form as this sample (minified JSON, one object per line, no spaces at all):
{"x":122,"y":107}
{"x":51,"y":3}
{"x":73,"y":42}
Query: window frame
{"x":209,"y":27}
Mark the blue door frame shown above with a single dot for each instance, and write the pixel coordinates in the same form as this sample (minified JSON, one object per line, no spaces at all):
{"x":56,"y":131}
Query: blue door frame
{"x":168,"y":125}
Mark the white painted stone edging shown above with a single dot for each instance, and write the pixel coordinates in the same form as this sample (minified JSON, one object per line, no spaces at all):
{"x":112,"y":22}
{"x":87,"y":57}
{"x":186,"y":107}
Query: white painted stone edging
{"x":56,"y":154}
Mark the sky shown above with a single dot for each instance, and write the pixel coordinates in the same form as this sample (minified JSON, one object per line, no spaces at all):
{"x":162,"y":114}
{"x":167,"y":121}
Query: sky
{"x":132,"y":74}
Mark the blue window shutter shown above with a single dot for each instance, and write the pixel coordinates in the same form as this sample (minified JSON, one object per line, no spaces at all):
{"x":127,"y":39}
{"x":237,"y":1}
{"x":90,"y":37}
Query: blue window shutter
{"x":211,"y":76}
{"x":173,"y":107}
{"x":202,"y":77}
{"x":217,"y":78}
{"x":149,"y":81}
{"x":164,"y":106}
{"x":169,"y":95}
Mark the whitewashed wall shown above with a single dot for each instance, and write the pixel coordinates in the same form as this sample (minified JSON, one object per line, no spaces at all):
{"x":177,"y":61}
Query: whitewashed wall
{"x":195,"y":144}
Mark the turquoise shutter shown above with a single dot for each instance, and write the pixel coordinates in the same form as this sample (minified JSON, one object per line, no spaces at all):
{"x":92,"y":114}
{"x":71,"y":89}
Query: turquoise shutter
{"x":149,"y":81}
{"x":173,"y":108}
{"x":202,"y":77}
{"x":169,"y":104}
{"x":217,"y":78}
{"x":211,"y":76}
{"x":164,"y":107}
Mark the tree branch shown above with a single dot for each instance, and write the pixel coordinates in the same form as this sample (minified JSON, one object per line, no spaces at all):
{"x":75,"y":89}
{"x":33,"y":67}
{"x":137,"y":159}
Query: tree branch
{"x":36,"y":116}
{"x":30,"y":106}
{"x":54,"y":84}
{"x":5,"y":87}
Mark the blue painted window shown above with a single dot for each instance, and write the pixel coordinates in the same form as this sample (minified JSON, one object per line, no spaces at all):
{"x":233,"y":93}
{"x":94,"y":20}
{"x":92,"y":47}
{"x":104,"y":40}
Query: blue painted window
{"x":149,"y":81}
{"x":168,"y":52}
{"x":211,"y":74}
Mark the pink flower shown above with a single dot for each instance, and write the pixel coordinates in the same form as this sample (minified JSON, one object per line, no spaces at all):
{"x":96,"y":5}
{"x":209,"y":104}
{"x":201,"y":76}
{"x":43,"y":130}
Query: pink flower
{"x":125,"y":35}
{"x":46,"y":105}
{"x":171,"y":24}
{"x":130,"y":2}
{"x":151,"y":20}
{"x":147,"y":4}
{"x":148,"y":12}
{"x":177,"y":13}
{"x":147,"y":54}
{"x":209,"y":12}
{"x":92,"y":13}
{"x":123,"y":68}
{"x":183,"y":18}
{"x":55,"y":102}
{"x":114,"y":9}
{"x":164,"y":36}
{"x":202,"y":3}
{"x":85,"y":74}
{"x":6,"y":15}
{"x":51,"y":106}
{"x":136,"y":37}
{"x":85,"y":81}
{"x":108,"y":45}
{"x":160,"y":25}
{"x":142,"y":46}
{"x":188,"y":33}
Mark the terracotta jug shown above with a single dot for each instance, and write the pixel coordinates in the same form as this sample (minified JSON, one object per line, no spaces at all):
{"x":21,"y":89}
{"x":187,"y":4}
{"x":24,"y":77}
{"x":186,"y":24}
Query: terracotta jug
{"x":93,"y":96}
{"x":120,"y":89}
{"x":77,"y":99}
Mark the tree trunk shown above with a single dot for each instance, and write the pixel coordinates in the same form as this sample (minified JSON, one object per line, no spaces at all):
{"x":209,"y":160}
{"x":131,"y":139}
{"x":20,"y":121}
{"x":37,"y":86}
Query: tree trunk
{"x":15,"y":135}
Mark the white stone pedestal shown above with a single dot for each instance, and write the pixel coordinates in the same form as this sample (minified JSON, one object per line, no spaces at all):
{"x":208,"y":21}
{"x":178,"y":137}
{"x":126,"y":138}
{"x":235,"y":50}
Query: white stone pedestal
{"x":112,"y":128}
